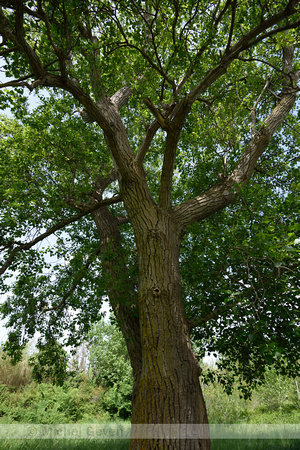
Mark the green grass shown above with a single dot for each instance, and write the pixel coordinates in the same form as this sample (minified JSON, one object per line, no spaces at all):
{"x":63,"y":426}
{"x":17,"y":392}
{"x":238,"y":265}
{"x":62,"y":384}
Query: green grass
{"x":64,"y":444}
{"x":218,"y":444}
{"x":255,"y":444}
{"x":262,"y":417}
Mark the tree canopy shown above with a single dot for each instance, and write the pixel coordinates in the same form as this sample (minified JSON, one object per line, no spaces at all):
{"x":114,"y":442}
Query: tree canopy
{"x":161,"y":125}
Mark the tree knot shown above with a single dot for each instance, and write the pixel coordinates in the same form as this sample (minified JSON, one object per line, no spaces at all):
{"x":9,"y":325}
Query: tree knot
{"x":156,"y":292}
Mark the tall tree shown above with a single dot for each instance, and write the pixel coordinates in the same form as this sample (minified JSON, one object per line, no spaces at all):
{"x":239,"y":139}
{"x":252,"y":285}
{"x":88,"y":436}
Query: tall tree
{"x":178,"y":101}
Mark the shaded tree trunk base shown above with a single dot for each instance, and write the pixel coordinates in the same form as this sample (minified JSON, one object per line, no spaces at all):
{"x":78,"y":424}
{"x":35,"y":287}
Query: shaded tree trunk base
{"x":170,"y":444}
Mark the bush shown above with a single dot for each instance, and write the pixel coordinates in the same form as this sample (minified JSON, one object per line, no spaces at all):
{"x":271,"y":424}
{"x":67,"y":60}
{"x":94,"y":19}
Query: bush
{"x":117,"y":401}
{"x":278,"y":393}
{"x":49,"y":364}
{"x":46,"y":403}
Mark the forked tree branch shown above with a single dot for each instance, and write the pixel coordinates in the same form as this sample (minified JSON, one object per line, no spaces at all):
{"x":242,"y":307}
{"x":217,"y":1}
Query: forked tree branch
{"x":223,"y":194}
{"x":151,"y":131}
{"x":249,"y":39}
{"x":119,"y":99}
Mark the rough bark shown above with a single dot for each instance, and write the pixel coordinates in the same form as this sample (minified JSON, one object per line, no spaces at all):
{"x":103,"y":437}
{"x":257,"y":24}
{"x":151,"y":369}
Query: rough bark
{"x":166,"y":371}
{"x":167,"y":389}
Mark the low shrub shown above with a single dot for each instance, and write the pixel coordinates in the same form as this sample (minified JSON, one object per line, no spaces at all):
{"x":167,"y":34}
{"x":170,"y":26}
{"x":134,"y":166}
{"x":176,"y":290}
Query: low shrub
{"x":46,"y":403}
{"x":276,"y":401}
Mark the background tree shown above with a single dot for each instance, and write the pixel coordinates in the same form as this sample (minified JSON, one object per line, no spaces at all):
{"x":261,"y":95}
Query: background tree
{"x":109,"y":367}
{"x":42,"y":363}
{"x":182,"y":99}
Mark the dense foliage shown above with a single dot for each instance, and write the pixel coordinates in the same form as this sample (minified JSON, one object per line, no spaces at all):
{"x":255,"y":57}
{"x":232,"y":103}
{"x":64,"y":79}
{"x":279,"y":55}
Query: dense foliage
{"x":109,"y":367}
{"x":160,"y":125}
{"x":250,"y":251}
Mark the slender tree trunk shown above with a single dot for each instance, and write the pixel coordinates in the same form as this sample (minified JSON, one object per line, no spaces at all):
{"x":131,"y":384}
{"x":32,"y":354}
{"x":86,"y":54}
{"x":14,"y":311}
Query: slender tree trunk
{"x":120,"y":288}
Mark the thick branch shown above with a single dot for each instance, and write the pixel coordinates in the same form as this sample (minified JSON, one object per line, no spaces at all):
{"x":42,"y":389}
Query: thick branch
{"x":119,"y":99}
{"x":53,"y":229}
{"x":270,"y":33}
{"x":223,"y":194}
{"x":16,"y":83}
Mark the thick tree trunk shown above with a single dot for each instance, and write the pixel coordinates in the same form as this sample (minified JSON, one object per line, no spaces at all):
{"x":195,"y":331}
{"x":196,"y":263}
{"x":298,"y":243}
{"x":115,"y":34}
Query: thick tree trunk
{"x":168,"y":389}
{"x":166,"y":371}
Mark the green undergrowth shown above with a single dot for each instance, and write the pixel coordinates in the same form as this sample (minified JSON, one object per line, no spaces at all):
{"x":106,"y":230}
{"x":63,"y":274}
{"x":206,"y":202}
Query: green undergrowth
{"x":80,"y":400}
{"x":75,"y":402}
{"x":277,"y":401}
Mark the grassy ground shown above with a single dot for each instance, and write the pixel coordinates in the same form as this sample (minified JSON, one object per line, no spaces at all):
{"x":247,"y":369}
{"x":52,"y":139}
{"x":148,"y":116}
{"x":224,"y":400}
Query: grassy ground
{"x":228,"y":444}
{"x":65,"y":444}
{"x":255,"y":444}
{"x":217,"y":444}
